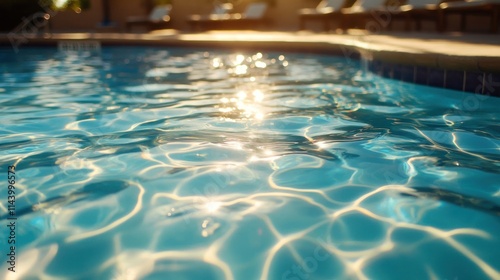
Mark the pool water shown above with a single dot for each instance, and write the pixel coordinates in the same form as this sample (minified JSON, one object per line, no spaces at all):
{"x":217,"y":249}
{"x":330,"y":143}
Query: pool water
{"x":154,"y":163}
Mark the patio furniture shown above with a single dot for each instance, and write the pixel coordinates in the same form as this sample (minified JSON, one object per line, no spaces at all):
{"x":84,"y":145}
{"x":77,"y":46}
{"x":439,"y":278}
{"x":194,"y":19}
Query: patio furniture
{"x":360,"y":12}
{"x":417,"y":11}
{"x":158,"y":18}
{"x":219,"y":11}
{"x":325,"y":11}
{"x":490,"y":8}
{"x":252,"y":16}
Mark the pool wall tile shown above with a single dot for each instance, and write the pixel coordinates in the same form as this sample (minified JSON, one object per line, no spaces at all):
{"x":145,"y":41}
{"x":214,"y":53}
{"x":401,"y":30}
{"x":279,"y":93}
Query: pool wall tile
{"x":421,"y":75}
{"x":408,"y":73}
{"x":396,"y":71}
{"x":387,"y":70}
{"x":375,"y":66}
{"x":474,"y":82}
{"x":455,"y":80}
{"x":435,"y":77}
{"x":370,"y":66}
{"x":378,"y":67}
{"x":460,"y":80}
{"x":492,"y":84}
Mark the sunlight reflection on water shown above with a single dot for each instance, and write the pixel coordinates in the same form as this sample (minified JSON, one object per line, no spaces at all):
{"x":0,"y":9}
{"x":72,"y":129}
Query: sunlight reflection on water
{"x":142,"y":163}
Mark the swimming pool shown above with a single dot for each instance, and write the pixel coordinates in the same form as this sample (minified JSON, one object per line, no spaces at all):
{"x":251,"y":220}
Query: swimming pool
{"x":152,"y":163}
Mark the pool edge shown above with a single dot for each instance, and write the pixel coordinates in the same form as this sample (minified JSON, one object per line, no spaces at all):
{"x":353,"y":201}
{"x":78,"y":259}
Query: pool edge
{"x":473,"y":74}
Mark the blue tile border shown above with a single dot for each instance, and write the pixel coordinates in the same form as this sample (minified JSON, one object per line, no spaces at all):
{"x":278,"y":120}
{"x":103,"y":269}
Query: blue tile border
{"x":455,"y":79}
{"x":474,"y":82}
{"x":421,"y":75}
{"x":436,"y":77}
{"x":408,"y":74}
{"x":466,"y":81}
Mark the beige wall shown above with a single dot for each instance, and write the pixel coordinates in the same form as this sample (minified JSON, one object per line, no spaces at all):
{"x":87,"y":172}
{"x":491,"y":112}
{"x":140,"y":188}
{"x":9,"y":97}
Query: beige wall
{"x":70,"y":20}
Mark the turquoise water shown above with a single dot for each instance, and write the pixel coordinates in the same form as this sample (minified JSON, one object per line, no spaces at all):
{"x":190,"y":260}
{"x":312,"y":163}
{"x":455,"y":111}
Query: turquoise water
{"x":150,"y":163}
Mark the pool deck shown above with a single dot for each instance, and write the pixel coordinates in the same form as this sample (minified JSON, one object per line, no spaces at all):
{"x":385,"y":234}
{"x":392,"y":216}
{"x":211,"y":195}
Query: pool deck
{"x":451,"y":51}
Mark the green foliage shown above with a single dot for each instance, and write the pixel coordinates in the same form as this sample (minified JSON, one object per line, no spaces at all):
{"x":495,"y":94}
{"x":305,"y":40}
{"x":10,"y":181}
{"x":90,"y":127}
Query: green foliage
{"x":72,"y":4}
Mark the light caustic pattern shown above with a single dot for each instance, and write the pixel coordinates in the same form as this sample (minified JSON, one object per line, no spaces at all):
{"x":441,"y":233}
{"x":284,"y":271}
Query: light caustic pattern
{"x":144,"y":163}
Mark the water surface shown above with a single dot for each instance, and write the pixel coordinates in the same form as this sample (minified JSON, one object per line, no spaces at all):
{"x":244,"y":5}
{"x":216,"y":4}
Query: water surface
{"x":151,"y":163}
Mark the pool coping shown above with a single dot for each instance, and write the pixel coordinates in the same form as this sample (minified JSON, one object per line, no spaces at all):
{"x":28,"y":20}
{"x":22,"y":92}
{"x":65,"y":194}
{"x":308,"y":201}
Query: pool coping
{"x":408,"y":58}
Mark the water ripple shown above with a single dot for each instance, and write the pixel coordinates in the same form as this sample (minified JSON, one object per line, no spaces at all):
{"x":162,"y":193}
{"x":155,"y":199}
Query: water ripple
{"x":136,"y":163}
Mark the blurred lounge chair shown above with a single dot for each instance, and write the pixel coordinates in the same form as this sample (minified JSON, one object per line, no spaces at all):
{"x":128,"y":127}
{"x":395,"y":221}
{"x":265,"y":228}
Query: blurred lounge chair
{"x":252,"y":16}
{"x":325,"y":11}
{"x":219,"y":11}
{"x":360,"y":12}
{"x":417,"y":11}
{"x":158,"y":18}
{"x":490,"y":8}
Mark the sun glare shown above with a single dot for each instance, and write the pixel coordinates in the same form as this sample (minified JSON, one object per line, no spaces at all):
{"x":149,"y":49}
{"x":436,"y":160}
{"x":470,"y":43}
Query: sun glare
{"x":60,"y":3}
{"x":239,"y":59}
{"x":212,"y":206}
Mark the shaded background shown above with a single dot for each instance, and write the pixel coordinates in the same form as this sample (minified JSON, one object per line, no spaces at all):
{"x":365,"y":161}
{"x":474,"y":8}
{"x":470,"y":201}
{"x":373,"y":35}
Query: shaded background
{"x":86,"y":15}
